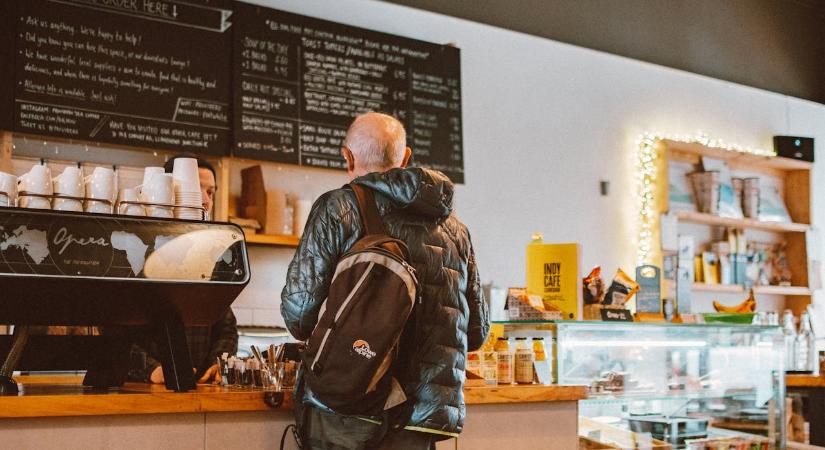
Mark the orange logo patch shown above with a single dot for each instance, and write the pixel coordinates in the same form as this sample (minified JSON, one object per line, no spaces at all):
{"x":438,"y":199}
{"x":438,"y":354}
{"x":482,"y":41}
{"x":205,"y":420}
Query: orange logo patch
{"x":362,"y":347}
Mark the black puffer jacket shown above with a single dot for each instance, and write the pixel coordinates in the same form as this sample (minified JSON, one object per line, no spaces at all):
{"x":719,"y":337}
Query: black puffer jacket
{"x":416,"y":205}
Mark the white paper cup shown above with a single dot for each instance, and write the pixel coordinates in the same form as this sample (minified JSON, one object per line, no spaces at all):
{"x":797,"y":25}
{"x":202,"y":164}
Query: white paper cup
{"x":185,"y":172}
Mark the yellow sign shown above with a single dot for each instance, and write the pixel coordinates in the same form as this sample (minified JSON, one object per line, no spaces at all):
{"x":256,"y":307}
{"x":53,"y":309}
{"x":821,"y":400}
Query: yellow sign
{"x":553,"y":274}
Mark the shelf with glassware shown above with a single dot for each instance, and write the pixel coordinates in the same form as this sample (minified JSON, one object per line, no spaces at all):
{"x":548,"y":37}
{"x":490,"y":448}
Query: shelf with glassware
{"x":750,"y":218}
{"x":19,"y":152}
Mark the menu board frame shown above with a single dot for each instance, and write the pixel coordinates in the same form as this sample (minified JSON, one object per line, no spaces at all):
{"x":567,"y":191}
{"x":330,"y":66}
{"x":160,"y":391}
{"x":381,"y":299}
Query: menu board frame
{"x":299,"y":81}
{"x":103,"y":72}
{"x":47,"y":91}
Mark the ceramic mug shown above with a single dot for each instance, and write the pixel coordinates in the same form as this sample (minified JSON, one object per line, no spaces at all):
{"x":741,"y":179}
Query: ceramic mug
{"x":101,"y":184}
{"x":69,"y":182}
{"x":8,"y":189}
{"x":129,"y":195}
{"x":98,"y":207}
{"x":159,"y":189}
{"x":36,"y":181}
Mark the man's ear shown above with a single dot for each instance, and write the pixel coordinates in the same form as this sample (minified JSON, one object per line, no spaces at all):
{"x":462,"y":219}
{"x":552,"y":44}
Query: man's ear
{"x":406,"y":160}
{"x":350,"y":159}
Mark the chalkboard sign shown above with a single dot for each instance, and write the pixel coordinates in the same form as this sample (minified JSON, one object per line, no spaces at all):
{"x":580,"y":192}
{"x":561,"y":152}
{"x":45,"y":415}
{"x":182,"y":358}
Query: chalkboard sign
{"x":299,"y":82}
{"x":7,"y":28}
{"x":148,"y":73}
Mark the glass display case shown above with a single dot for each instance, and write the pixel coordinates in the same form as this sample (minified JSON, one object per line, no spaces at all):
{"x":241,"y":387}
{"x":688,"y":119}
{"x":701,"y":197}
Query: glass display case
{"x":675,"y":386}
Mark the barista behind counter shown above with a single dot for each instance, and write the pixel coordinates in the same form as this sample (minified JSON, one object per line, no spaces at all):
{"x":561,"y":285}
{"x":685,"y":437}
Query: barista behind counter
{"x":206,"y":344}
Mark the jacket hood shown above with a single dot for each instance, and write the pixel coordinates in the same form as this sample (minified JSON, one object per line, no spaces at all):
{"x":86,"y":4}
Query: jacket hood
{"x":417,"y":190}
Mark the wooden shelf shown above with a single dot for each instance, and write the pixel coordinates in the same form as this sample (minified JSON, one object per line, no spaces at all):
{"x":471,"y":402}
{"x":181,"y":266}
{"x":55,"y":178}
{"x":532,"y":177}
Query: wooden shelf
{"x":758,"y":290}
{"x":718,"y":288}
{"x":680,"y":150}
{"x":782,"y":290}
{"x":805,"y":381}
{"x":711,"y":219}
{"x":272,"y":239}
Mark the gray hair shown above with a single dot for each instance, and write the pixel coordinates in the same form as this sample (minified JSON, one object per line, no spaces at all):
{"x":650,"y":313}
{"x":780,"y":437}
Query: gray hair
{"x":377,"y":141}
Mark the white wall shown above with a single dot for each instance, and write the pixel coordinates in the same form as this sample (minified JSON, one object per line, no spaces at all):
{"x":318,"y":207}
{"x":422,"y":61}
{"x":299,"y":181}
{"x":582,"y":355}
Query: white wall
{"x":543,"y":123}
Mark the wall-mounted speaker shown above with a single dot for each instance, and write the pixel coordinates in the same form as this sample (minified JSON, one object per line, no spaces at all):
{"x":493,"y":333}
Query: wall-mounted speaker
{"x":795,"y":147}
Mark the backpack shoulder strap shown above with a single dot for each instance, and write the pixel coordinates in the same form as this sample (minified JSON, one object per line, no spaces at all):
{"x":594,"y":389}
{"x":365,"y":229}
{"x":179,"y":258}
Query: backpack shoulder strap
{"x":369,"y":210}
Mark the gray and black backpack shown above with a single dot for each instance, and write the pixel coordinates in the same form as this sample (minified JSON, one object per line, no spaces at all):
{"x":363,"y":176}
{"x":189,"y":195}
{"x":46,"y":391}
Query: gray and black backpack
{"x":349,"y":361}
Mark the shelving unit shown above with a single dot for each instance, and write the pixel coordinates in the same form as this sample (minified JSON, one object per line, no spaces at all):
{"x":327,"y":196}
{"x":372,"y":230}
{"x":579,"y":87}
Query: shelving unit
{"x":272,"y":239}
{"x":758,"y":290}
{"x":795,"y":178}
{"x":737,"y":161}
{"x":710,"y":219}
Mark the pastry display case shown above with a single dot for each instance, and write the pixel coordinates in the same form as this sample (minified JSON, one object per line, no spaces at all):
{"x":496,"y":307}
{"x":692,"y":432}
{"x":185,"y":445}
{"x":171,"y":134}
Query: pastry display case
{"x":675,"y":386}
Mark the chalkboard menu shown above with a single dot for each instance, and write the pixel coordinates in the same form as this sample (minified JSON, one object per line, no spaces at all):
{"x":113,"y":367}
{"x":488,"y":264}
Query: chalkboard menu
{"x":7,"y":28}
{"x":144,"y":73}
{"x":299,"y":82}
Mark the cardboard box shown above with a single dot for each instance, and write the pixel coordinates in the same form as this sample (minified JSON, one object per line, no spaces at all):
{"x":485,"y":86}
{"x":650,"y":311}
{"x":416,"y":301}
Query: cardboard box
{"x":521,"y":307}
{"x":268,"y":207}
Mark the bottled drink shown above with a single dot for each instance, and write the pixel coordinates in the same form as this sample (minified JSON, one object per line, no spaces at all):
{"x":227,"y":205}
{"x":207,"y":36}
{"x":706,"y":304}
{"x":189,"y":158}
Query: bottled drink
{"x":789,"y":332}
{"x":505,"y":361}
{"x":524,"y":361}
{"x":805,"y":344}
{"x":538,"y":349}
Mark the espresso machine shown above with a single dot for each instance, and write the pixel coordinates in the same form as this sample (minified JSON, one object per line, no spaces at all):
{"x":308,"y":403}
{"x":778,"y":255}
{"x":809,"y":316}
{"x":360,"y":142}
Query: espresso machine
{"x":128,"y":277}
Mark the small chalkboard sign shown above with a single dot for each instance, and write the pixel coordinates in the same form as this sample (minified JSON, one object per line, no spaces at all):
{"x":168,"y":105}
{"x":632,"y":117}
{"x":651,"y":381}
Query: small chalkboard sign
{"x":649,"y":298}
{"x":616,"y":315}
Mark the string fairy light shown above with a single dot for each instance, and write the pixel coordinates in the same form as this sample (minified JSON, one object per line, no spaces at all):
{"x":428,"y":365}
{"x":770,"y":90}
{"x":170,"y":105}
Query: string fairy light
{"x":647,"y":154}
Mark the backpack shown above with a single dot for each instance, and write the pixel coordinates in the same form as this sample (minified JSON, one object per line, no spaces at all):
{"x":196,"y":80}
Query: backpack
{"x":348,"y":363}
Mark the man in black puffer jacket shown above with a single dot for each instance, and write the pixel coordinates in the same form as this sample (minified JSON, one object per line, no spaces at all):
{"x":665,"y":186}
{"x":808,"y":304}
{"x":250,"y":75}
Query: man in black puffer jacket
{"x":416,"y":207}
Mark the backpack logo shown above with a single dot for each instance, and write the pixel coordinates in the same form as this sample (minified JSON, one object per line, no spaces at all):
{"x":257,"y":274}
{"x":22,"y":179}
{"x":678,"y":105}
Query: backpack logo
{"x":362,"y":347}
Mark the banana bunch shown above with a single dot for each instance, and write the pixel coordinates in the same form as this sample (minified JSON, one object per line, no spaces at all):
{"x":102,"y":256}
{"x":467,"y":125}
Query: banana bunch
{"x":748,"y":306}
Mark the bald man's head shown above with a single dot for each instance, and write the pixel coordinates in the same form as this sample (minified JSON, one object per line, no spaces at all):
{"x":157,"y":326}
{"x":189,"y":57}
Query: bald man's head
{"x":375,"y":142}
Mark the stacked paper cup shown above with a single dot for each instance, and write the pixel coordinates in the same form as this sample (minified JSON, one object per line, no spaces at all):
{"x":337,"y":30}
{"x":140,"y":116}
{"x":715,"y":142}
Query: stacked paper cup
{"x":188,"y":199}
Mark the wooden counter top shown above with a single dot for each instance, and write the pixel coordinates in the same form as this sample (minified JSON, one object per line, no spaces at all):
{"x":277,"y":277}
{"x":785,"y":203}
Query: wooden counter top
{"x":523,"y":394}
{"x":46,"y":396}
{"x":805,"y":381}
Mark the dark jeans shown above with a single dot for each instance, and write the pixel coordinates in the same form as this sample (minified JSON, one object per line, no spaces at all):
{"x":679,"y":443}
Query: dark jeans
{"x":329,"y":431}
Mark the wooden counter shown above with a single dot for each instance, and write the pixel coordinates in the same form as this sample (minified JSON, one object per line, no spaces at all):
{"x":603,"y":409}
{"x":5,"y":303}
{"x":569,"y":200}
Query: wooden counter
{"x":58,"y":413}
{"x":44,"y":396}
{"x":805,"y":381}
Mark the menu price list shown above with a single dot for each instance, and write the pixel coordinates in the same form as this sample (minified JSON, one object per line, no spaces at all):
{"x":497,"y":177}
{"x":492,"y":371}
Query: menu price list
{"x":300,"y":81}
{"x":145,"y":74}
